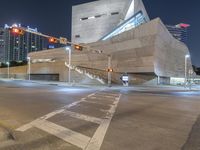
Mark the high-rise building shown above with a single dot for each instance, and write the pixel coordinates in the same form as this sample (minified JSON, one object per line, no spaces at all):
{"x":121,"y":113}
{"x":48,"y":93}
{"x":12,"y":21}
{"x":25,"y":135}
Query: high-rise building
{"x":2,"y":44}
{"x":103,"y":19}
{"x":15,"y":46}
{"x":180,"y":31}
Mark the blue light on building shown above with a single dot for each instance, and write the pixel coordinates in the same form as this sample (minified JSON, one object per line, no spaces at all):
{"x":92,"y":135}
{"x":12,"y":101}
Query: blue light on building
{"x":129,"y":24}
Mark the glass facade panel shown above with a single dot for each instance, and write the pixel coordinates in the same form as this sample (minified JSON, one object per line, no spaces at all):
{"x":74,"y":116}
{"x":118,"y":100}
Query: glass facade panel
{"x":129,"y":24}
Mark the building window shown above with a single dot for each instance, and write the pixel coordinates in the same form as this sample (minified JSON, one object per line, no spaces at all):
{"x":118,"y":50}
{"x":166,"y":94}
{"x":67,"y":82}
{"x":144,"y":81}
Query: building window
{"x":86,"y":18}
{"x":92,"y":17}
{"x":129,"y":24}
{"x":98,"y":16}
{"x":115,"y":13}
{"x":77,"y":36}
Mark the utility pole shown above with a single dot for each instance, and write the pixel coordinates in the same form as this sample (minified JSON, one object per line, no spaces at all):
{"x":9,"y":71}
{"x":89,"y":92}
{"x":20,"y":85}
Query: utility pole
{"x":109,"y":71}
{"x":68,"y":48}
{"x":29,"y":68}
{"x":70,"y":66}
{"x":8,"y":70}
{"x":186,"y":69}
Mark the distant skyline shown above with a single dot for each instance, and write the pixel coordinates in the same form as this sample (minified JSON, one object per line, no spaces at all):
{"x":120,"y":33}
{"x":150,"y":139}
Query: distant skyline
{"x":54,"y":18}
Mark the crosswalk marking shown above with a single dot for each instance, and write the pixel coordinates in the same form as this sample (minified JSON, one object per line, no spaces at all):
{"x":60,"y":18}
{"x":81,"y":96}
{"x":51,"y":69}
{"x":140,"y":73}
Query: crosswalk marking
{"x":97,"y":140}
{"x":72,"y":137}
{"x":108,"y":94}
{"x":96,"y":102}
{"x":83,"y":117}
{"x":29,"y":125}
{"x":65,"y":134}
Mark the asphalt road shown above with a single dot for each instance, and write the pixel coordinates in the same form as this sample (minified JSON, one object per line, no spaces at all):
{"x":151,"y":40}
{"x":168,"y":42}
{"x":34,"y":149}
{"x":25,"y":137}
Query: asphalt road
{"x":46,"y":117}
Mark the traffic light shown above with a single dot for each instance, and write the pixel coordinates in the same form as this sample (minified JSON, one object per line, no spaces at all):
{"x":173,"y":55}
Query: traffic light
{"x":53,"y":40}
{"x":17,"y":31}
{"x":63,"y":40}
{"x":109,"y":70}
{"x":78,"y":47}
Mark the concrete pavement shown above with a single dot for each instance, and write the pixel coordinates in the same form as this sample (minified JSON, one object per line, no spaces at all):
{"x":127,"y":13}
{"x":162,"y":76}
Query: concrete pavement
{"x":46,"y":117}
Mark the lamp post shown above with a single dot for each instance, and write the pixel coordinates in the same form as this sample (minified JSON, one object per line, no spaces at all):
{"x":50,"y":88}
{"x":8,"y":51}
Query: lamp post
{"x":29,"y":68}
{"x":186,"y":68}
{"x":8,"y":69}
{"x":109,"y":72}
{"x":68,"y":48}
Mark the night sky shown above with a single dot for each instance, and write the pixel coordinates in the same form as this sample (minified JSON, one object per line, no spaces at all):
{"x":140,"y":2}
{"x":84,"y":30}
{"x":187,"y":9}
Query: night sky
{"x":54,"y":17}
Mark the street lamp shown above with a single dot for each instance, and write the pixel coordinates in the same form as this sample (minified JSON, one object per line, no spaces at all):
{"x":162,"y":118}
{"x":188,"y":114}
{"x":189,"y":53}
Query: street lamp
{"x":186,"y":59}
{"x":29,"y":68}
{"x":109,"y":71}
{"x":8,"y":69}
{"x":68,"y":48}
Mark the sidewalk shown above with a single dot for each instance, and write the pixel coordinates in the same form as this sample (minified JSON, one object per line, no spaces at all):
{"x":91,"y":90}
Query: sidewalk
{"x":114,"y":87}
{"x":56,"y":83}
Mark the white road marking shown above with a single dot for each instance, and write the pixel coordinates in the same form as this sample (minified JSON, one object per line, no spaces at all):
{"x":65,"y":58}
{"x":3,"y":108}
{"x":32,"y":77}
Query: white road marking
{"x":97,"y":140}
{"x":72,"y":137}
{"x":103,"y":97}
{"x":65,"y":134}
{"x":29,"y":125}
{"x":110,"y":94}
{"x":107,"y":96}
{"x":52,"y":114}
{"x":24,"y":127}
{"x":83,"y":117}
{"x":91,"y":95}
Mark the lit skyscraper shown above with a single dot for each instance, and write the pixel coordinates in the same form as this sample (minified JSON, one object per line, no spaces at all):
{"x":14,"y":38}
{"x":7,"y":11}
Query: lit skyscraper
{"x":179,"y":31}
{"x":15,"y":47}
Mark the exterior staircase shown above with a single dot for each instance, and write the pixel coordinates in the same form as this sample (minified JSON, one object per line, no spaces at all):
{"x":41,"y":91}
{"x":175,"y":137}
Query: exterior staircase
{"x":85,"y":72}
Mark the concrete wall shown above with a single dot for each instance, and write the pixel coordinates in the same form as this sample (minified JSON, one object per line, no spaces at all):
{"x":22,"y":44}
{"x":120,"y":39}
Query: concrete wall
{"x":98,"y":27}
{"x":144,"y":53}
{"x":15,"y":72}
{"x":169,"y":53}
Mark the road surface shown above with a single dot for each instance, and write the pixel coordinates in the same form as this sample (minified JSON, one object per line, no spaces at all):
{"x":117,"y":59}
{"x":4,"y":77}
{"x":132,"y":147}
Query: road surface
{"x":47,"y":117}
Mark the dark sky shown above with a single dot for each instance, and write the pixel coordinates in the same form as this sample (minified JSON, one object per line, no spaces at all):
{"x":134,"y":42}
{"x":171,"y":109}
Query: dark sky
{"x":54,"y":17}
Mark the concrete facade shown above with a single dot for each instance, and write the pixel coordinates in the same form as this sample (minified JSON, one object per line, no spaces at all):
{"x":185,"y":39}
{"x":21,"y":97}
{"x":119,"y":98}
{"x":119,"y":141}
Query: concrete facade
{"x":145,"y":53}
{"x":98,"y":18}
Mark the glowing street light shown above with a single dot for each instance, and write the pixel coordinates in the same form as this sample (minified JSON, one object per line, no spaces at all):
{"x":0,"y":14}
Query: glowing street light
{"x":8,"y":69}
{"x":68,"y":48}
{"x":186,"y":68}
{"x":29,"y":68}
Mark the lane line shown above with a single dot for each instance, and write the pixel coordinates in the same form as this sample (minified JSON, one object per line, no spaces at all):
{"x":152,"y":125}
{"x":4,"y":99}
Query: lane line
{"x":65,"y":134}
{"x":83,"y":117}
{"x":102,"y":97}
{"x":97,"y":140}
{"x":45,"y":117}
{"x":72,"y":137}
{"x":91,"y":95}
{"x":109,"y":94}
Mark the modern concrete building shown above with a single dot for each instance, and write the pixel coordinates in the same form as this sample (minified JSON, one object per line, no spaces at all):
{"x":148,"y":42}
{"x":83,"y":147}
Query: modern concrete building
{"x":146,"y":51}
{"x":92,"y":21}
